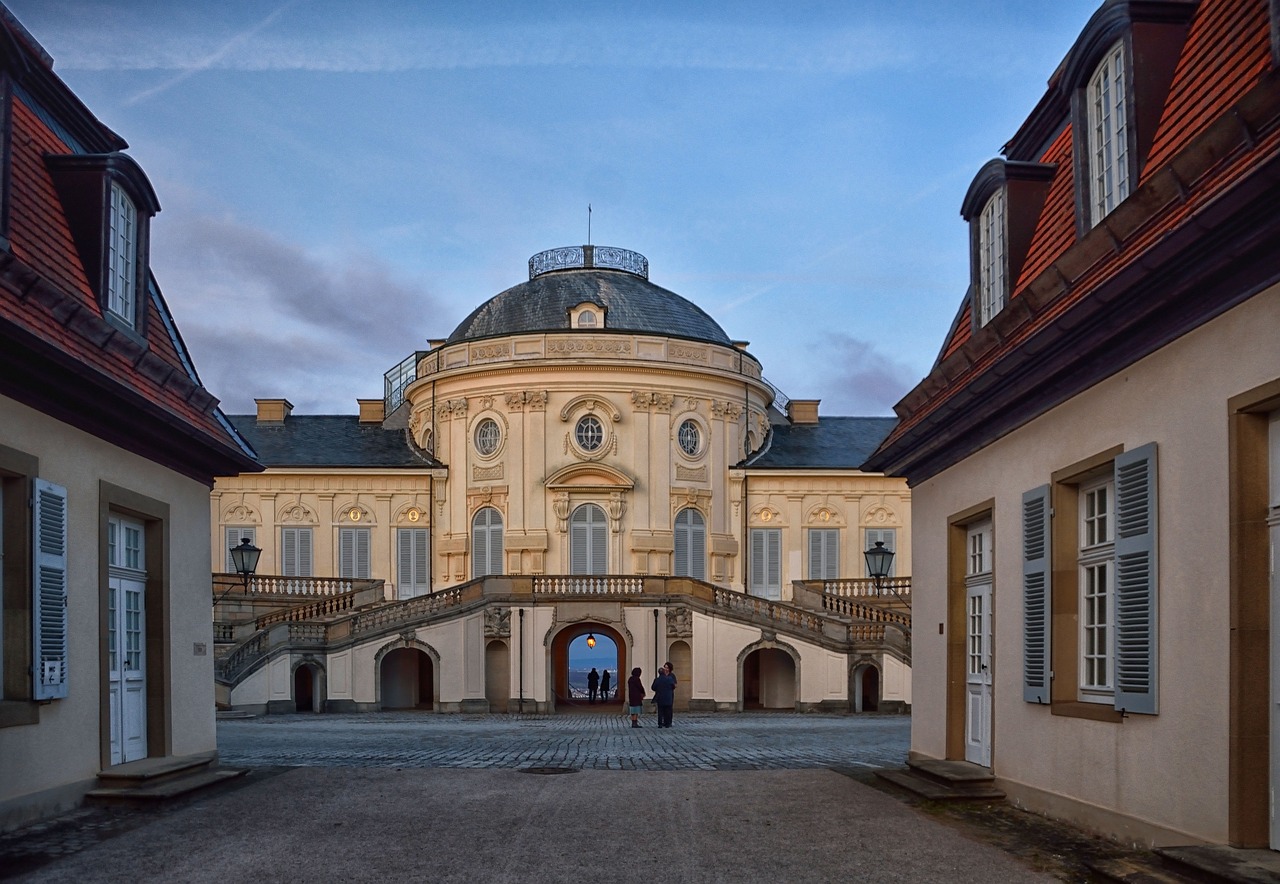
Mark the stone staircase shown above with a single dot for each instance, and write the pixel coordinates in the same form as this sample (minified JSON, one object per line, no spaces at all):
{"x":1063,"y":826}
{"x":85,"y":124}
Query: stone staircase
{"x":153,"y":781}
{"x":940,"y":780}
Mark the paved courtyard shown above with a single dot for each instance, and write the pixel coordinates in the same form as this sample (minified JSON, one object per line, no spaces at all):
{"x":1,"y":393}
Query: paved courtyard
{"x":579,"y":740}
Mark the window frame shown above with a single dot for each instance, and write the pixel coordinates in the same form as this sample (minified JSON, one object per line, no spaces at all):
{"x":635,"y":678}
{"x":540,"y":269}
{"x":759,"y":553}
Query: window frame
{"x":822,"y":544}
{"x":355,"y":544}
{"x":1108,"y":154}
{"x":992,"y":257}
{"x":1095,"y":558}
{"x":766,"y":563}
{"x":487,"y":445}
{"x":691,"y":534}
{"x":487,"y":557}
{"x":594,"y":430}
{"x":296,"y":566}
{"x":689,"y":428}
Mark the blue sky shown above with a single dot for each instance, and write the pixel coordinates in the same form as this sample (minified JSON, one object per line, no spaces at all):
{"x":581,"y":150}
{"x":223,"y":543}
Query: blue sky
{"x":342,"y":181}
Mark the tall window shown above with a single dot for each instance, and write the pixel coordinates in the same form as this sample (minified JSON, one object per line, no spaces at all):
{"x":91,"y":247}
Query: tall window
{"x":691,"y":544}
{"x":413,"y":575}
{"x":1097,"y":596}
{"x":1108,"y":135}
{"x":295,"y":552}
{"x":887,"y":536}
{"x":232,"y":537}
{"x":486,"y":543}
{"x":588,"y":540}
{"x":766,"y":562}
{"x":824,"y":553}
{"x":353,"y":553}
{"x":992,"y":283}
{"x":122,"y":251}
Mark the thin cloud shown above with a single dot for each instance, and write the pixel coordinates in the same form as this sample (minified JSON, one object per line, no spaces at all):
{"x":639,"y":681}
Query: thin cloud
{"x":862,"y":380}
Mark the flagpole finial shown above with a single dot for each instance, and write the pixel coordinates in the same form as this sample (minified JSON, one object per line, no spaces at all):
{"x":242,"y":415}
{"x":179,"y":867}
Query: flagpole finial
{"x":588,"y":223}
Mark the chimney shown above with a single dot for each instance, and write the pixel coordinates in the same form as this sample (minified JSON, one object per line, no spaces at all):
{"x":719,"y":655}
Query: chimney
{"x":803,"y":411}
{"x":273,"y":411}
{"x":372,"y":411}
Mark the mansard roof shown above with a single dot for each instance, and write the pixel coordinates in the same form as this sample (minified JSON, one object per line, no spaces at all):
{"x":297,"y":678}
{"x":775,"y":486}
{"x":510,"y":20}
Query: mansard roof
{"x":332,"y":441}
{"x":833,"y":443}
{"x":1199,"y":233}
{"x":58,"y":351}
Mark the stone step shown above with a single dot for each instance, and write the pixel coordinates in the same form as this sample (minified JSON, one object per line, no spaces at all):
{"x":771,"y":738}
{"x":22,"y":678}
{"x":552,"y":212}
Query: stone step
{"x":939,"y":790}
{"x":1131,"y":871}
{"x":153,"y":770}
{"x":158,"y":792}
{"x":1219,"y":864}
{"x":225,"y":714}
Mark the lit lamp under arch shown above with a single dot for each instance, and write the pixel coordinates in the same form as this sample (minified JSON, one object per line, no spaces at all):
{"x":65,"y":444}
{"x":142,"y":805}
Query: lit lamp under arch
{"x":591,"y":640}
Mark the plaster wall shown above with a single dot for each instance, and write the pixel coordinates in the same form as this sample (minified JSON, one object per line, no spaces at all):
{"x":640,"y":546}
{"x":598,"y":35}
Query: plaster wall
{"x":68,"y":746}
{"x":1160,"y":772}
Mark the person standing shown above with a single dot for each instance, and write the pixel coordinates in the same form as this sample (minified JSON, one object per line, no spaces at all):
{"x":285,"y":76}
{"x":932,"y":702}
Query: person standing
{"x":635,"y":696}
{"x":605,"y":696}
{"x":593,"y":684}
{"x":664,"y":695}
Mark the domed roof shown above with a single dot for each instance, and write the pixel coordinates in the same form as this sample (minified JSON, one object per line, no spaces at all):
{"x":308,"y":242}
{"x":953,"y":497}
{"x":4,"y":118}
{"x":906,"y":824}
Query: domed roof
{"x":615,"y":279}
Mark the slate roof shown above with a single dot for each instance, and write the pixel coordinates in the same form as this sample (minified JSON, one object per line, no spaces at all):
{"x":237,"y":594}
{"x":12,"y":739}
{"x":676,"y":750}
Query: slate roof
{"x":329,"y":440}
{"x":632,"y":304}
{"x":61,"y":355}
{"x":832,"y":443}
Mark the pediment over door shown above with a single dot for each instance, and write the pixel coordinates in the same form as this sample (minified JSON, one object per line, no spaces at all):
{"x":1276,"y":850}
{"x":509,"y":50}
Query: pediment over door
{"x":589,"y":477}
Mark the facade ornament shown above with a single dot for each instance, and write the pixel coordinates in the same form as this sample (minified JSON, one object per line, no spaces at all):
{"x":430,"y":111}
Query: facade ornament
{"x":452,"y":408}
{"x":240,"y":513}
{"x":617,"y":507}
{"x":643,"y":401}
{"x":679,"y":622}
{"x":409,"y":637}
{"x":690,"y":403}
{"x":497,"y":623}
{"x":298,"y":512}
{"x":534,"y":400}
{"x":560,"y":505}
{"x":486,"y":403}
{"x":880,"y":515}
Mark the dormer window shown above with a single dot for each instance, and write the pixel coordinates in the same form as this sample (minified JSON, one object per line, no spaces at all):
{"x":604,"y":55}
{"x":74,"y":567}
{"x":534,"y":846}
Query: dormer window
{"x":1108,"y":135}
{"x":122,"y":257}
{"x":587,"y":320}
{"x":992,"y":278}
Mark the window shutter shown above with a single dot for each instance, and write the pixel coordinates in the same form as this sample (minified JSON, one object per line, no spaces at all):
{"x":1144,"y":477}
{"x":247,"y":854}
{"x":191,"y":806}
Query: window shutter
{"x":495,"y":543}
{"x":346,"y":552}
{"x":50,"y":591}
{"x":405,"y":573}
{"x":758,"y":561}
{"x":682,"y":544}
{"x":480,"y":544}
{"x":304,"y":552}
{"x":233,"y":538}
{"x":697,"y":546}
{"x":775,"y":562}
{"x":362,"y":553}
{"x":421,"y":559}
{"x":289,"y":552}
{"x":599,"y":542}
{"x":817,"y":571}
{"x":1035,"y":595}
{"x":1136,"y":581}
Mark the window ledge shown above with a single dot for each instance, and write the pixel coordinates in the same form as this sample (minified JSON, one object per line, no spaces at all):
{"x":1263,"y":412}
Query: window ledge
{"x":14,"y":713}
{"x":1091,"y":711}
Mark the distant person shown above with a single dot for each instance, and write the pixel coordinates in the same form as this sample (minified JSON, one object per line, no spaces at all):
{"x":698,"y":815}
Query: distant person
{"x":635,"y":696}
{"x":593,"y":685}
{"x":664,"y":695}
{"x":605,"y":696}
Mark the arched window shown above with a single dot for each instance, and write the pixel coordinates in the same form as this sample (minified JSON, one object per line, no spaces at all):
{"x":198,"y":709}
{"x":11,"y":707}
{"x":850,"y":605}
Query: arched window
{"x":588,"y":541}
{"x":486,"y":543}
{"x":691,"y":544}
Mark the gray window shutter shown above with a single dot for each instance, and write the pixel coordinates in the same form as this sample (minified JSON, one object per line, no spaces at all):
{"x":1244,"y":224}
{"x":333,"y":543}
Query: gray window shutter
{"x":480,"y":543}
{"x":599,"y":542}
{"x":346,"y":552}
{"x":421,"y":558}
{"x":233,"y":538}
{"x":1136,"y":581}
{"x":774,"y":554}
{"x":304,"y":552}
{"x":578,"y":539}
{"x":1035,"y":595}
{"x":289,"y":552}
{"x":50,"y":591}
{"x":405,"y":575}
{"x":758,"y":561}
{"x":588,"y":540}
{"x":495,"y":543}
{"x":697,"y":546}
{"x":682,"y":544}
{"x":816,"y":546}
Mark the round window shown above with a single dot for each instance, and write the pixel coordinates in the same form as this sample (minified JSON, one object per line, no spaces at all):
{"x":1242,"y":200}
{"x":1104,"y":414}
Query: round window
{"x":690,"y":438}
{"x":589,"y":433}
{"x":488,"y":435}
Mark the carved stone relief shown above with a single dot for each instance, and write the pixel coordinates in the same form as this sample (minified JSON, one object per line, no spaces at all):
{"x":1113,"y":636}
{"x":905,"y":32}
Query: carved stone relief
{"x":679,"y":622}
{"x":497,"y":623}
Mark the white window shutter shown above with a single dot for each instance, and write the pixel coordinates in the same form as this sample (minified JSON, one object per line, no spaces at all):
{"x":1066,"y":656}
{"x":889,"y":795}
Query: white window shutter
{"x":1035,"y":595}
{"x":50,"y":591}
{"x":1136,"y":630}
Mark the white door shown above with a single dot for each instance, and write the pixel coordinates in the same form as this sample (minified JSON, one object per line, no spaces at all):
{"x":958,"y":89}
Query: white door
{"x":977,"y":740}
{"x":126,"y":642}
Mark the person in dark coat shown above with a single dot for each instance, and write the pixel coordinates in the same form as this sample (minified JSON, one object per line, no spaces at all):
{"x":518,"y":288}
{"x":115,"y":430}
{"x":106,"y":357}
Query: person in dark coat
{"x":593,"y":684}
{"x":604,"y":686}
{"x":635,"y":696}
{"x":664,"y":695}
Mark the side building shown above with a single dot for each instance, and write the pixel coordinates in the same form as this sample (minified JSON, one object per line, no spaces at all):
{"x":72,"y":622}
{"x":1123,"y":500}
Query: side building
{"x":109,"y":445}
{"x":595,"y":443}
{"x":1095,"y":457}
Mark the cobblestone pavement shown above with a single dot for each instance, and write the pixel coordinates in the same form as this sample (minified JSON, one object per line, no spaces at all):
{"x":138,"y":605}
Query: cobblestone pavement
{"x":580,"y":740}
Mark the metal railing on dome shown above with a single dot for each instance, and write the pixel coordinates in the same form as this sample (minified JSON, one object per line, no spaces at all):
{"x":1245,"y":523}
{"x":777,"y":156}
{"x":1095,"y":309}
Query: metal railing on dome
{"x":397,"y":379}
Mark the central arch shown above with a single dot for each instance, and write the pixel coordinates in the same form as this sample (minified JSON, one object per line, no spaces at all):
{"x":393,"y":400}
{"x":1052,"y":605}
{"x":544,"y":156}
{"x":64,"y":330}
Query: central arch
{"x":559,"y":651}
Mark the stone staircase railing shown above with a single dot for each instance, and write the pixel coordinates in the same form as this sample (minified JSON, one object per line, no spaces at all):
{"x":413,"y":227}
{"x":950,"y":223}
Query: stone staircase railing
{"x":847,"y":607}
{"x":235,"y":663}
{"x":891,"y":588}
{"x":592,"y":586}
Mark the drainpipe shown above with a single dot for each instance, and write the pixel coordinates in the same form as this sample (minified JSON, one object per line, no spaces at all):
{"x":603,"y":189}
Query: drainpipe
{"x":656,"y":663}
{"x":522,"y":661}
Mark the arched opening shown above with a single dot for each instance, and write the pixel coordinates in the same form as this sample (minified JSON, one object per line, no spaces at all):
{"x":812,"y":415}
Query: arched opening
{"x":869,"y":689}
{"x":592,"y":658}
{"x":497,"y":675}
{"x":306,"y":692}
{"x":681,"y":657}
{"x":407,"y":679}
{"x":570,"y":688}
{"x":768,"y":680}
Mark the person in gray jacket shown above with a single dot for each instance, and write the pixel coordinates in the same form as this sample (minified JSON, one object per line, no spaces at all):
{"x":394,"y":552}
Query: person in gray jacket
{"x":664,"y":695}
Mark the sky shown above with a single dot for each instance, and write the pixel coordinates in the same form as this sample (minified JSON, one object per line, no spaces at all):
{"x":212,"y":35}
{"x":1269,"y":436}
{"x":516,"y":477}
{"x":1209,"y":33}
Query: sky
{"x":342,"y":181}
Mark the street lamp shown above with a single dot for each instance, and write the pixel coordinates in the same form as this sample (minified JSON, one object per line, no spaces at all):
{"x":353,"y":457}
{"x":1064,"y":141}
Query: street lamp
{"x":245,"y":559}
{"x":879,"y":563}
{"x":591,"y":640}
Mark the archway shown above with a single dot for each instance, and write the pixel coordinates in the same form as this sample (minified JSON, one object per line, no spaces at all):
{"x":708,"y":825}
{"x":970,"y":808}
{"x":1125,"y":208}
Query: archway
{"x":497,"y":675}
{"x":768,"y":679}
{"x":866,"y":688}
{"x":407,"y":679}
{"x":681,"y":657}
{"x":567,"y":693}
{"x":308,"y":688}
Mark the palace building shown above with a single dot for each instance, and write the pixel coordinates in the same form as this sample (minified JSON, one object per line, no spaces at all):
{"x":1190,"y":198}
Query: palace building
{"x":1095,"y":457}
{"x":587,"y":452}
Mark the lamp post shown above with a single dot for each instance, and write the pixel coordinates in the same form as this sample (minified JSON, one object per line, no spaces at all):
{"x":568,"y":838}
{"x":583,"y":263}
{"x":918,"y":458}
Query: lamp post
{"x":879,"y":564}
{"x":245,"y":559}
